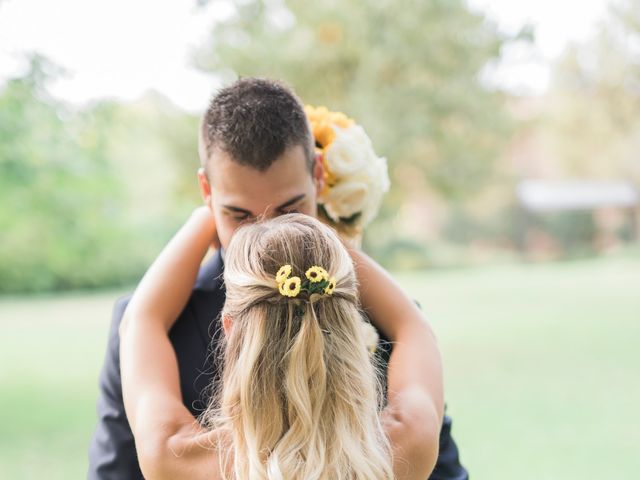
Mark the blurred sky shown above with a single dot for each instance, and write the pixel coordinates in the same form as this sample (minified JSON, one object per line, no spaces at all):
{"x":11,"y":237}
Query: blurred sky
{"x":120,"y":48}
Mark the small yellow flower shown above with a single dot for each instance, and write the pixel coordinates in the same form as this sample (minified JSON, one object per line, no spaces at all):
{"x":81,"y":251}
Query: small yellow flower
{"x":316,"y":274}
{"x":290,"y":287}
{"x":331,"y":287}
{"x":283,"y":273}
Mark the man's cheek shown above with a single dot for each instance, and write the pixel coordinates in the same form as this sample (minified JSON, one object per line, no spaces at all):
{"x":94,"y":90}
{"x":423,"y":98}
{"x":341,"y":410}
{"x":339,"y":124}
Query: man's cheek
{"x":225,"y":232}
{"x":311,"y":210}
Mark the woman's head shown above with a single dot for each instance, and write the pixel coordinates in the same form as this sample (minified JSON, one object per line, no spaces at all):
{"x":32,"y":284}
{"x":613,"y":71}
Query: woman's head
{"x":258,"y":251}
{"x":299,"y":390}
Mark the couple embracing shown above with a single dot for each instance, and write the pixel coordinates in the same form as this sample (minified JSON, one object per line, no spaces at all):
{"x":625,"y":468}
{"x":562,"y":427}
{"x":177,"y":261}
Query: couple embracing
{"x":289,"y":354}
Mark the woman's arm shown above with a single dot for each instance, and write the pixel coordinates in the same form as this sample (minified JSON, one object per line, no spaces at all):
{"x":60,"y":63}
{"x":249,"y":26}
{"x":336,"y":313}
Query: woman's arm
{"x":169,"y":441}
{"x":413,"y":416}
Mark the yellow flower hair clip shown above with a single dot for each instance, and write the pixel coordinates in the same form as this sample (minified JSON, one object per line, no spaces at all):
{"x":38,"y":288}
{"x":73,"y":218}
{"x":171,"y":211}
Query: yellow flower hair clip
{"x":290,"y":287}
{"x":317,"y":281}
{"x":316,"y":274}
{"x":283,"y":273}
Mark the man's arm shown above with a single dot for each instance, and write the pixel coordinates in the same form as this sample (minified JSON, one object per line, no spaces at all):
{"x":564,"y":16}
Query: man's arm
{"x":448,"y":466}
{"x":112,"y":452}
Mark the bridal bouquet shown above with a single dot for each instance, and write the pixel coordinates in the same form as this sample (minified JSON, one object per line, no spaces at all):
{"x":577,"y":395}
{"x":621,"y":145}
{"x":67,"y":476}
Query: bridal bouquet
{"x":356,"y":179}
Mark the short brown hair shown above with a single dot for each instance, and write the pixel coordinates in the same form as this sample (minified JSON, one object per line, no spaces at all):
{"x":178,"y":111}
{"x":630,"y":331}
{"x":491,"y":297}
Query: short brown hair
{"x":255,"y":120}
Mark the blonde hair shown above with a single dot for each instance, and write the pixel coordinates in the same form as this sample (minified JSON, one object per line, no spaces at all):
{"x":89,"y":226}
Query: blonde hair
{"x":299,"y":393}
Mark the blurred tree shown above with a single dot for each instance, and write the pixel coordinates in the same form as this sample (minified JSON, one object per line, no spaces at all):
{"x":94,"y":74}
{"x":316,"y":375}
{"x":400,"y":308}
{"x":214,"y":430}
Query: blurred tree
{"x":407,"y":70}
{"x":53,"y":192}
{"x":88,"y":196}
{"x":593,"y":109}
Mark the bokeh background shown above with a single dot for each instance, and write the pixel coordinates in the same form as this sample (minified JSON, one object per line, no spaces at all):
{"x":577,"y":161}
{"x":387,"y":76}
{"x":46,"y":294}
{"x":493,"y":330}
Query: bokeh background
{"x":512,"y":133}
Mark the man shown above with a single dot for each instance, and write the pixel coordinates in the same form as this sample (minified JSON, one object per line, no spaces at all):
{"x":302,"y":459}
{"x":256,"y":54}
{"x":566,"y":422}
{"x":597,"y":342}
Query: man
{"x":257,"y":161}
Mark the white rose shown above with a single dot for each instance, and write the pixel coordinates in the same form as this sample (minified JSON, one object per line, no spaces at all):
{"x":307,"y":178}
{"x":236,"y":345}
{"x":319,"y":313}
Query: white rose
{"x":377,"y":179}
{"x":345,"y":198}
{"x":361,"y":177}
{"x":381,"y":173}
{"x":349,"y":151}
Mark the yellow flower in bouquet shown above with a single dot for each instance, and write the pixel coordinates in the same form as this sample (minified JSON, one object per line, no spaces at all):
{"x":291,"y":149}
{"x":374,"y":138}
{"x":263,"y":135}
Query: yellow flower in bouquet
{"x":322,"y":123}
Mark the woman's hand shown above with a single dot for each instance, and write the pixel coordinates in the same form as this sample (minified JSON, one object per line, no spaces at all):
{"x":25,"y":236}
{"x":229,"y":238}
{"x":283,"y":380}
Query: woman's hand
{"x":215,"y":241}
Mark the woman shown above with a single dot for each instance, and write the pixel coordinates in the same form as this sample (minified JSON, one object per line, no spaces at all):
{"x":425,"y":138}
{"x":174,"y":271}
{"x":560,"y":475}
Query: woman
{"x":298,"y":398}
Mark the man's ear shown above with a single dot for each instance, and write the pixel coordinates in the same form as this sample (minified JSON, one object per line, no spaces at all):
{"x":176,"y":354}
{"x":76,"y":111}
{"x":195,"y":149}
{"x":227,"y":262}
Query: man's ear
{"x":227,"y":322}
{"x":205,"y":187}
{"x":318,"y":172}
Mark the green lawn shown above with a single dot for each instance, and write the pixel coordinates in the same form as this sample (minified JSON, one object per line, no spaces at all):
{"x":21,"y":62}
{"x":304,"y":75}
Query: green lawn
{"x":542,"y":371}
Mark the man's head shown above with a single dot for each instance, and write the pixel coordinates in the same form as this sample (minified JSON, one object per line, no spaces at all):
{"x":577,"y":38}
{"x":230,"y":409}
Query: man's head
{"x":257,"y":155}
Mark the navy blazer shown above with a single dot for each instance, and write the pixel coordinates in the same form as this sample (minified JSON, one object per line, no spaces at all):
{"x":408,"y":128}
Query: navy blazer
{"x":112,"y":452}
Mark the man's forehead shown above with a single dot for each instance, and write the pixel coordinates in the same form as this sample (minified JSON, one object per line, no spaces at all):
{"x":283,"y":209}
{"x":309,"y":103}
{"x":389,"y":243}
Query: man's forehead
{"x":293,"y":161}
{"x":256,"y":186}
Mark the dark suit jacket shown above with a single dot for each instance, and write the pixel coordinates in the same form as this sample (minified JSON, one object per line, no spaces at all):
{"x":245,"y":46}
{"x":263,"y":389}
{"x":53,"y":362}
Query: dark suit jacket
{"x":112,"y":453}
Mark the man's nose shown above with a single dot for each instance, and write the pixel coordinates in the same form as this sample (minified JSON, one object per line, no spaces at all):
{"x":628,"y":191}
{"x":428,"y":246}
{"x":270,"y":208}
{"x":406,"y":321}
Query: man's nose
{"x":267,"y":214}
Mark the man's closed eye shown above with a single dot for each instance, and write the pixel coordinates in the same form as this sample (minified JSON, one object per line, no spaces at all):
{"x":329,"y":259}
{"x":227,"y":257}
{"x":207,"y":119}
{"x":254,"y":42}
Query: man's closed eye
{"x":242,"y":218}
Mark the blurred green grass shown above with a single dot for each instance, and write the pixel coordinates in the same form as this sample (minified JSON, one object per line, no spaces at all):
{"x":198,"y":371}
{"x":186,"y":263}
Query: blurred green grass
{"x":541,"y":371}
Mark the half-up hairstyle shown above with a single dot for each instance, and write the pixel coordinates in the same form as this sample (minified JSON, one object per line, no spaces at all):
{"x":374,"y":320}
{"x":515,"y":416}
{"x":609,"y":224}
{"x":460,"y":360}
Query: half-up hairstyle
{"x":299,"y":392}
